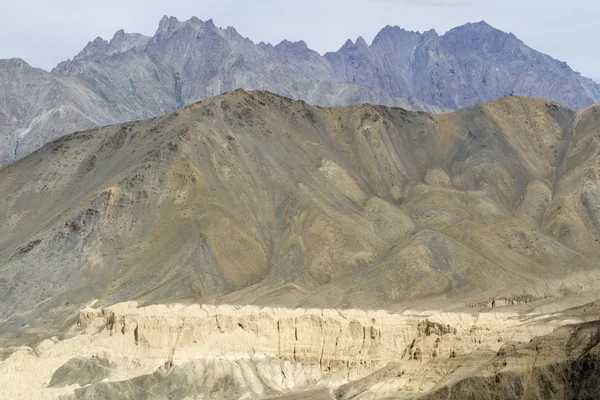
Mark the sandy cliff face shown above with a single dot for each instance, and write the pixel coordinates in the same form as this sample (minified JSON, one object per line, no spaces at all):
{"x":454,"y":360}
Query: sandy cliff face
{"x":355,"y":340}
{"x":201,"y":351}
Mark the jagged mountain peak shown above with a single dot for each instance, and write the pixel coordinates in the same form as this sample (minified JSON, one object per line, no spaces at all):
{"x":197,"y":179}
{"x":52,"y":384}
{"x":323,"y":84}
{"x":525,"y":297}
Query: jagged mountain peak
{"x":14,"y":62}
{"x":122,"y":42}
{"x":430,"y":32}
{"x":476,"y":31}
{"x":470,"y":28}
{"x":480,"y":25}
{"x":349,"y":43}
{"x":96,"y":46}
{"x":394,"y":29}
{"x":361,"y":42}
{"x":394,"y":33}
{"x":299,"y":45}
{"x":171,"y":24}
{"x":99,"y":48}
{"x":167,"y":22}
{"x":297,"y":52}
{"x":231,"y":30}
{"x":119,"y":33}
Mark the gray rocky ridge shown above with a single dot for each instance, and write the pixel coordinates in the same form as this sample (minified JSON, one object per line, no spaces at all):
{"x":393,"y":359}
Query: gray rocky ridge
{"x":133,"y":76}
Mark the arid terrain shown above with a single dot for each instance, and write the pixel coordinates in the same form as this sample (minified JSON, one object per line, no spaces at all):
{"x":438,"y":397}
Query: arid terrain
{"x":200,"y":351}
{"x":273,"y":248}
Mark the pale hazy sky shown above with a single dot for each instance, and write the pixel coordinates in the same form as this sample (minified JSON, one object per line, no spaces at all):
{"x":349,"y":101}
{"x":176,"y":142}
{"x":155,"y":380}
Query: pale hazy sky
{"x":46,"y":32}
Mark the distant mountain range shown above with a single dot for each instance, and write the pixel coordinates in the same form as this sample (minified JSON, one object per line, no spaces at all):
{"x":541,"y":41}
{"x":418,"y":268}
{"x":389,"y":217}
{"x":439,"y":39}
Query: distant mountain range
{"x":134,"y":76}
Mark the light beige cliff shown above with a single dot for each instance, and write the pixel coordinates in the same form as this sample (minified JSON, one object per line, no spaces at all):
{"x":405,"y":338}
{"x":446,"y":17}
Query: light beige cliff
{"x":266,"y":351}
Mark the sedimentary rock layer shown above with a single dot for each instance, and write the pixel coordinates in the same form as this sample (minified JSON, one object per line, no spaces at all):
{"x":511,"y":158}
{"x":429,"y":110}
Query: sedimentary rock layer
{"x":214,"y":352}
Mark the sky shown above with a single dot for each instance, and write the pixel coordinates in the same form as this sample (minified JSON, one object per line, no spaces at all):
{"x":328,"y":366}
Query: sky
{"x":43,"y":33}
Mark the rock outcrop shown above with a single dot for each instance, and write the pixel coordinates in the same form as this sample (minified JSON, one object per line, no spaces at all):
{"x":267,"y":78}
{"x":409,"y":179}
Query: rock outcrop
{"x":355,"y":341}
{"x":218,"y":352}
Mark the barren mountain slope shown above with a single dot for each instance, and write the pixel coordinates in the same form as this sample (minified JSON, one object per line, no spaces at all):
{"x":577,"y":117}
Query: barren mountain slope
{"x":251,"y":198}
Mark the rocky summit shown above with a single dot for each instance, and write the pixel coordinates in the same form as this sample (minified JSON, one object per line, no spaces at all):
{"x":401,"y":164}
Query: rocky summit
{"x":253,"y":246}
{"x":133,"y":76}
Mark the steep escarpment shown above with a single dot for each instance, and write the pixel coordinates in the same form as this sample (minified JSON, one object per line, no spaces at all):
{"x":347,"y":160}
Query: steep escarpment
{"x":355,"y":340}
{"x":217,"y":352}
{"x":251,"y":198}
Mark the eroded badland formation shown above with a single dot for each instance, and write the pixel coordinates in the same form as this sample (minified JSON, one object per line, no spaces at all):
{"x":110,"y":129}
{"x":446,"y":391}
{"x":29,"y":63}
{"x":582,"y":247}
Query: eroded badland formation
{"x":280,"y":250}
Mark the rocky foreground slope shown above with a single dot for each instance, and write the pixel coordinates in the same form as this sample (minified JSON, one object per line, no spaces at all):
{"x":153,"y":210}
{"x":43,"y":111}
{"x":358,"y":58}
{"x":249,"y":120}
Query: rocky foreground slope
{"x":134,"y":77}
{"x":489,"y":216}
